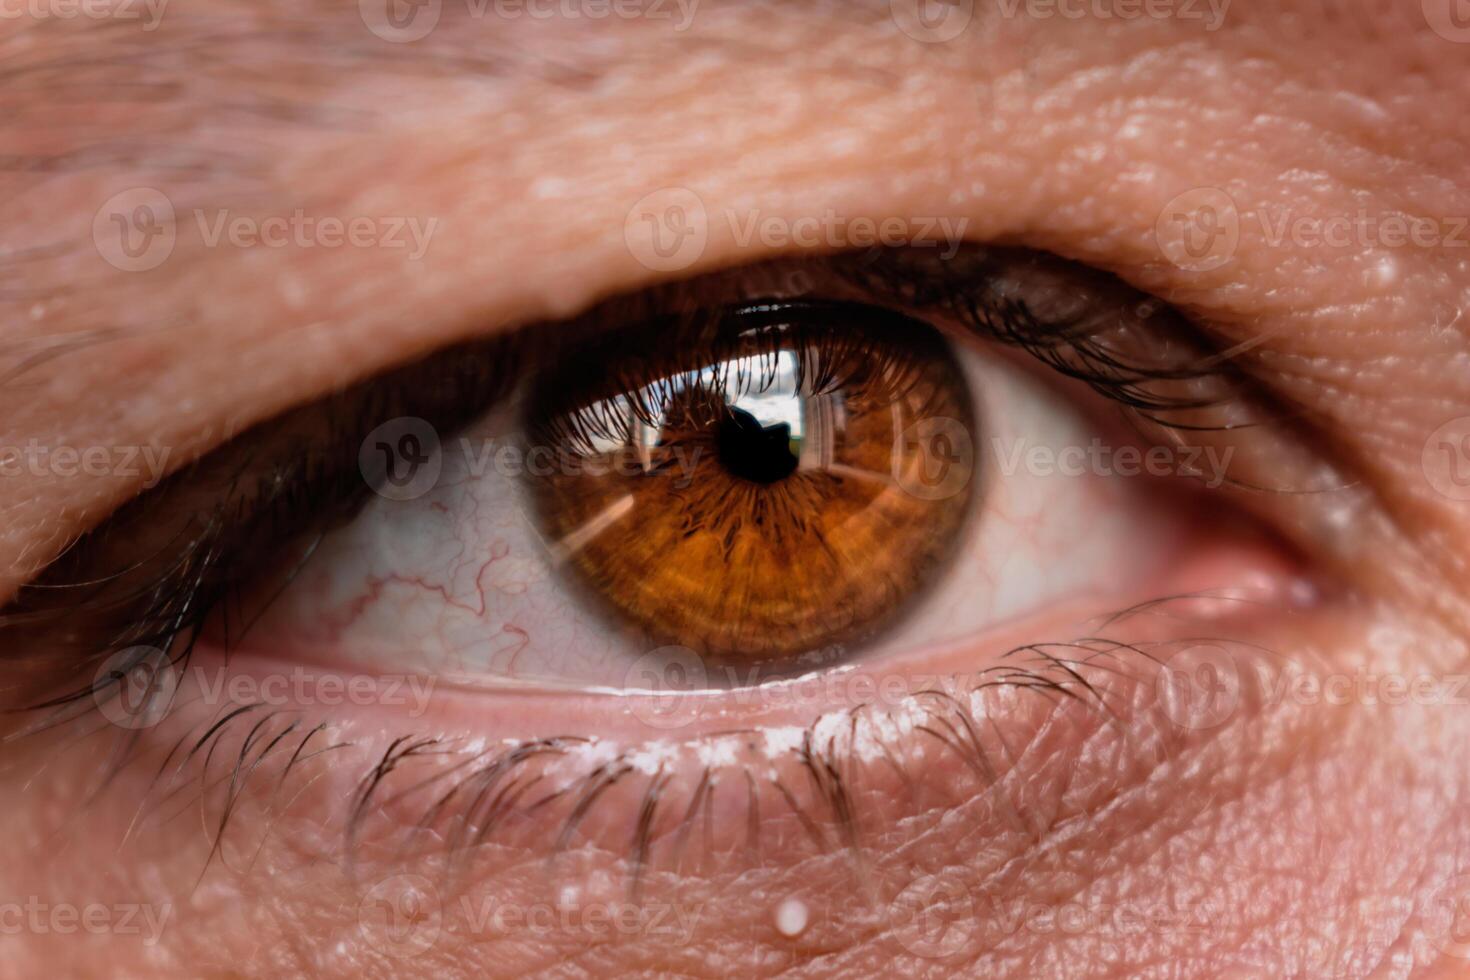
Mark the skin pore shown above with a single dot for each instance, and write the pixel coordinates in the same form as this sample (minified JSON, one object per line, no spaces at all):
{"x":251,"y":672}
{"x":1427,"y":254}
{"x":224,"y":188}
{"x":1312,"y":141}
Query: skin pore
{"x":1304,"y":837}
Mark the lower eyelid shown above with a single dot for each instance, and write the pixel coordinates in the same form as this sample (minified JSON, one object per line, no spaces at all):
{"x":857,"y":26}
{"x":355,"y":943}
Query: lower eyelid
{"x":1052,"y":737}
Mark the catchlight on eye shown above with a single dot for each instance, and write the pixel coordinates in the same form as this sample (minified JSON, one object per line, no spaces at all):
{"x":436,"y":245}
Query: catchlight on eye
{"x":786,"y":483}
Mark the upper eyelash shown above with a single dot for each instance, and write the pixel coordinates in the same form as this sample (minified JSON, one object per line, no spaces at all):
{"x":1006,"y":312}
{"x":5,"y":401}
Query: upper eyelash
{"x":1197,"y":388}
{"x":165,"y":612}
{"x":625,"y":390}
{"x":1078,"y":346}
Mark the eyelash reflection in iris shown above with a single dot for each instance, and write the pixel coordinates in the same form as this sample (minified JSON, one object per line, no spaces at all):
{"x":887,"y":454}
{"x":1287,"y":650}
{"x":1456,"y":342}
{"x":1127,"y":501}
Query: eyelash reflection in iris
{"x":786,"y":482}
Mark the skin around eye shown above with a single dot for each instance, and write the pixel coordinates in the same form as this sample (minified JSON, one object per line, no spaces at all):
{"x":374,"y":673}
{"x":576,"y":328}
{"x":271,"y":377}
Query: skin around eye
{"x":1244,"y":780}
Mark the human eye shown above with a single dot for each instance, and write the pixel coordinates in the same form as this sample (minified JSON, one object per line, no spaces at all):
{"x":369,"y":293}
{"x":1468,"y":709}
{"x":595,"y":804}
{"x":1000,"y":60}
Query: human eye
{"x":742,"y":482}
{"x":1074,"y":594}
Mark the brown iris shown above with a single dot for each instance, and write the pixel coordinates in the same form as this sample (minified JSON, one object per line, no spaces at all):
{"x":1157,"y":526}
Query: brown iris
{"x":786,"y":482}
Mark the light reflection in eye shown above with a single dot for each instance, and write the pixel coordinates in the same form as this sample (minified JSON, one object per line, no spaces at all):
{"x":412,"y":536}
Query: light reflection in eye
{"x":771,"y":403}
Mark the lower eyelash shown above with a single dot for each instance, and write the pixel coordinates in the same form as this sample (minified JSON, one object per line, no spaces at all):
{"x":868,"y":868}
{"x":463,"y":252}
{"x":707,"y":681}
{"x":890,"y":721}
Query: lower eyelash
{"x":465,"y":794}
{"x":429,"y":802}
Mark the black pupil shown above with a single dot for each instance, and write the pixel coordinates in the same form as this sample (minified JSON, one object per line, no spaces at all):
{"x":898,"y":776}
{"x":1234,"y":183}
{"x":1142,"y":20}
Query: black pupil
{"x":750,"y":451}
